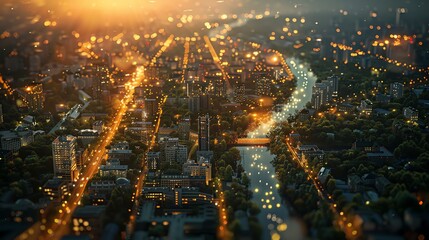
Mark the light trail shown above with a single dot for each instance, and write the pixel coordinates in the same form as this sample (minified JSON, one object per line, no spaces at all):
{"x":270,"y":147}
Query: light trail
{"x":58,"y":227}
{"x":185,"y":59}
{"x":218,"y":63}
{"x":142,"y":177}
{"x":349,"y":232}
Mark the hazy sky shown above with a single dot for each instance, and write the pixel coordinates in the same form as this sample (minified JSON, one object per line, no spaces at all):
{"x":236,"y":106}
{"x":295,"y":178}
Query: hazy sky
{"x":87,"y":12}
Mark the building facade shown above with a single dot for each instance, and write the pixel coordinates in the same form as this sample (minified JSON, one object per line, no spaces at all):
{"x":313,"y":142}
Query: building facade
{"x":204,"y":133}
{"x":396,"y":90}
{"x":64,"y":158}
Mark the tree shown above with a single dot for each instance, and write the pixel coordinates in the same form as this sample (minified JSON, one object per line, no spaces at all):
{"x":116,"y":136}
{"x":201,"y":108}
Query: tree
{"x":345,"y":135}
{"x":362,"y":169}
{"x":245,"y":180}
{"x":234,"y":226}
{"x":231,"y":157}
{"x":228,"y":173}
{"x":253,"y":209}
{"x":404,"y":200}
{"x":357,"y":198}
{"x":381,"y":206}
{"x":422,"y":162}
{"x":299,"y":205}
{"x":330,"y":186}
{"x":331,"y":233}
{"x":221,"y":172}
{"x":120,"y":202}
{"x":408,"y":149}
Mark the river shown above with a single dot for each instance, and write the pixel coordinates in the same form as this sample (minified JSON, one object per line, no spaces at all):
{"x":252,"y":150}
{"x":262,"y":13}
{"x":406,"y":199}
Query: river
{"x":274,"y":217}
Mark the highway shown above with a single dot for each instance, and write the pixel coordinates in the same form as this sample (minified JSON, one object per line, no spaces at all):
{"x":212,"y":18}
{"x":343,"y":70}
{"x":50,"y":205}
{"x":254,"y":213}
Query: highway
{"x":59,"y":226}
{"x":142,"y":177}
{"x":223,"y":232}
{"x":143,"y":173}
{"x":284,"y":65}
{"x":218,"y":63}
{"x":162,"y":49}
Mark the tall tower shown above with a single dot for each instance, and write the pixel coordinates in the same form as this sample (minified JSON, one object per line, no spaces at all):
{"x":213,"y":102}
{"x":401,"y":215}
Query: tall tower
{"x":64,"y":157}
{"x":333,"y":82}
{"x":204,"y":133}
{"x":319,"y":95}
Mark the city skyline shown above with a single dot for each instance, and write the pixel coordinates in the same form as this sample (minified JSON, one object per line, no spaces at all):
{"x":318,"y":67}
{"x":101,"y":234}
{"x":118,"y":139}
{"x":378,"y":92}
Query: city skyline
{"x":220,"y":119}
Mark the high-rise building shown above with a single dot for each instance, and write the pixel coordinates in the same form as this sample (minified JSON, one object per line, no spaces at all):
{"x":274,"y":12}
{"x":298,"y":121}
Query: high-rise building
{"x":184,"y":129}
{"x":153,"y":160}
{"x":55,"y":190}
{"x":411,"y":114}
{"x":320,"y":95}
{"x":32,"y":96}
{"x":14,"y":140}
{"x":64,"y":157}
{"x":204,"y":133}
{"x":101,"y":81}
{"x":192,"y":87}
{"x":201,"y":168}
{"x":396,"y":90}
{"x":263,"y":86}
{"x":176,"y":154}
{"x":239,"y":93}
{"x":199,"y":103}
{"x":194,"y":104}
{"x":333,"y":86}
{"x":150,"y":106}
{"x":366,"y":107}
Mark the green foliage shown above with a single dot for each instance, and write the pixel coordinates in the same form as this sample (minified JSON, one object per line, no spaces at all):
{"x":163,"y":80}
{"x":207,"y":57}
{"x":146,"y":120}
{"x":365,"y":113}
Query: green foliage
{"x":330,"y":186}
{"x":231,"y":157}
{"x":234,"y":227}
{"x":422,"y":162}
{"x":404,"y":200}
{"x":117,"y":208}
{"x":245,"y":180}
{"x":253,"y":209}
{"x":408,"y":149}
{"x":228,"y":173}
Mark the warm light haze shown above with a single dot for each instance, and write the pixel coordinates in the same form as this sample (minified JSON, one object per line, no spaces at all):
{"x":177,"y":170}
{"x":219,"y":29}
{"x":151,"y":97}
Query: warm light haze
{"x":214,"y":119}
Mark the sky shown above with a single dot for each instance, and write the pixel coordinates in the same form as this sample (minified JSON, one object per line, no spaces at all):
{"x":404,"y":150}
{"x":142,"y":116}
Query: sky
{"x":98,"y":13}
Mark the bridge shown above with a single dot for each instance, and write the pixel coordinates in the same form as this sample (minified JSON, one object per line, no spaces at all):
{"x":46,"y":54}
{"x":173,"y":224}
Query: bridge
{"x":252,"y":141}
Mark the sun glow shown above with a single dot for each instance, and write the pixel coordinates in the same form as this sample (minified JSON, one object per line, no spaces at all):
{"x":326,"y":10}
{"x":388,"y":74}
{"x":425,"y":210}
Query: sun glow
{"x":110,"y":13}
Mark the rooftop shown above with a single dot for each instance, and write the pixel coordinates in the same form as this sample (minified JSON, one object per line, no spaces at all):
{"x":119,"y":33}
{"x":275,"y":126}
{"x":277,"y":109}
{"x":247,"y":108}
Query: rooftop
{"x":89,"y":211}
